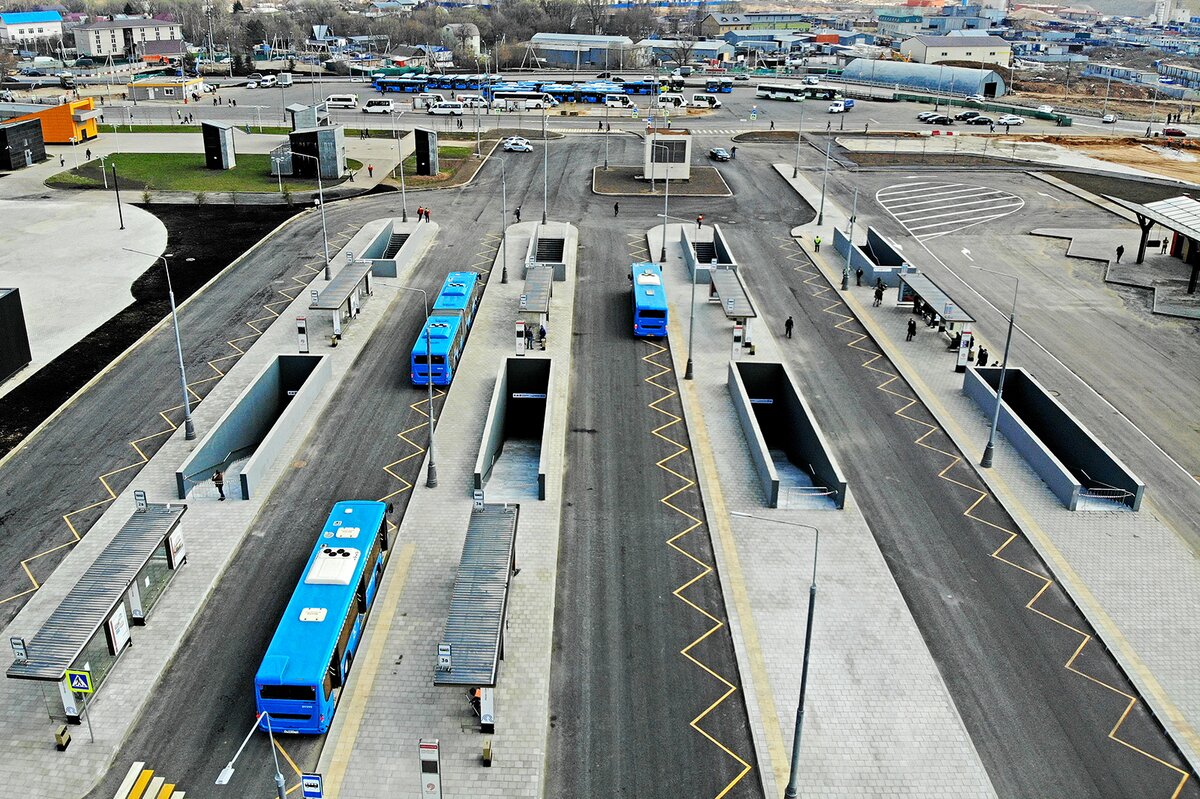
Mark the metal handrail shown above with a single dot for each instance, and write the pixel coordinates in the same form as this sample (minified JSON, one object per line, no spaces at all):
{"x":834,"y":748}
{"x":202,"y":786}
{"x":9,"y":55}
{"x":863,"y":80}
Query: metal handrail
{"x":228,"y":457}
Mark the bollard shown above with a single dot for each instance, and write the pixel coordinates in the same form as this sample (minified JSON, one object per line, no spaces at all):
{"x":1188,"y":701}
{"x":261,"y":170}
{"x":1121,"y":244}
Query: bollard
{"x":487,"y":752}
{"x":62,"y":738}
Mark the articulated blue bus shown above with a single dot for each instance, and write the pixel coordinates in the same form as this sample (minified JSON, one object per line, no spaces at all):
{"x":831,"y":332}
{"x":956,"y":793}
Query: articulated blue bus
{"x":400,"y":84}
{"x":459,"y":295}
{"x":438,"y":347}
{"x":649,"y":300}
{"x":307,"y":662}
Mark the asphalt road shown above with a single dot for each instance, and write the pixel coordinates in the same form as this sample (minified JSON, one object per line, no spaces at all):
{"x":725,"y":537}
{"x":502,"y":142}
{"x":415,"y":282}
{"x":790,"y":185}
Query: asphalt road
{"x":205,"y":702}
{"x":1040,"y":729}
{"x":623,"y":695}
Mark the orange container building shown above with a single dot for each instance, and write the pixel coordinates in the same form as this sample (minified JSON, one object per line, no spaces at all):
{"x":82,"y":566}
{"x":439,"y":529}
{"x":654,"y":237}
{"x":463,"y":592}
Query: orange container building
{"x":60,"y":123}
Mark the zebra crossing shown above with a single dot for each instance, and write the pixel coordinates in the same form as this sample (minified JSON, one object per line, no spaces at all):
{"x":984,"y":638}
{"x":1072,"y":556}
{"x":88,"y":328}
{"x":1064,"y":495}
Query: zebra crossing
{"x":928,"y":209}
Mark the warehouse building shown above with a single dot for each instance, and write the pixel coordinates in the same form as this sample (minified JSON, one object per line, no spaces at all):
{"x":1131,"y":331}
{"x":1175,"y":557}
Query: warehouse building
{"x":939,"y":49}
{"x":933,"y":78}
{"x":574,"y":50}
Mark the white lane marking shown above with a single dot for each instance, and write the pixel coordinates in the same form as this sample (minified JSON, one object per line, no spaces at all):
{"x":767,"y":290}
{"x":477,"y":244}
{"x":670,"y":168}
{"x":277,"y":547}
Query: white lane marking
{"x":924,"y":213}
{"x":958,"y":216}
{"x":924,"y":236}
{"x":952,"y":197}
{"x":964,"y":207}
{"x":967,"y":254}
{"x":1051,"y":196}
{"x":903,"y":190}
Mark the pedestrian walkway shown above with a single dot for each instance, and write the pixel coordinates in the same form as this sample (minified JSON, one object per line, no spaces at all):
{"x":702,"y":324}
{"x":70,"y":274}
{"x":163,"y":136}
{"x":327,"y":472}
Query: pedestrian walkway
{"x":371,"y":749}
{"x":214,"y":531}
{"x":1137,"y":583}
{"x":879,"y":720}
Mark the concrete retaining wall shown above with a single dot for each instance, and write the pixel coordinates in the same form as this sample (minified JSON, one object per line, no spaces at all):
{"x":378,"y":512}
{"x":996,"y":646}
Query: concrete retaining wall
{"x":878,"y":258}
{"x":1050,"y":438}
{"x":759,"y":452}
{"x":262,"y":418}
{"x":520,"y":408}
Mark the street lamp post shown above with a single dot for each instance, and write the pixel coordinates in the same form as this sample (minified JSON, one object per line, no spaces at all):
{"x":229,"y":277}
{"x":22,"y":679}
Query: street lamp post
{"x":75,"y":152}
{"x":824,"y":181}
{"x":227,"y":772}
{"x":799,"y":140}
{"x":606,"y":127}
{"x":321,"y":204}
{"x":545,"y":167}
{"x":850,"y":243}
{"x":990,"y":448}
{"x":504,"y":219}
{"x":189,"y":429}
{"x":662,"y":256}
{"x":687,"y":372}
{"x":792,"y":791}
{"x":431,"y":478}
{"x":400,"y":166}
{"x":117,"y":191}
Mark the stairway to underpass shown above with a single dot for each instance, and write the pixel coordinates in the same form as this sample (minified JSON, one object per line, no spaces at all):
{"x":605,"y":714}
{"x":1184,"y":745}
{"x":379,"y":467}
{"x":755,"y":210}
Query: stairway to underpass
{"x":706,"y":251}
{"x":549,"y":251}
{"x":394,"y":245}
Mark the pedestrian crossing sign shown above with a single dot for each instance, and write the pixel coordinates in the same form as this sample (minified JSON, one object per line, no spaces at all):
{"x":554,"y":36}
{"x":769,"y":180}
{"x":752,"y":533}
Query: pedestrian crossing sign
{"x":635,"y":112}
{"x":753,"y":114}
{"x":80,"y":681}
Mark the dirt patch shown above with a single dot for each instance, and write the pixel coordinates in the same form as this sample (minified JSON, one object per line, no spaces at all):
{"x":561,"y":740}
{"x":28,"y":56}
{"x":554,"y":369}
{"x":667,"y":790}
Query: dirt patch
{"x":1132,"y":189}
{"x":626,"y":181}
{"x":916,"y":159}
{"x":765,"y":136}
{"x":1172,"y":158}
{"x":452,"y":171}
{"x":197,"y":257}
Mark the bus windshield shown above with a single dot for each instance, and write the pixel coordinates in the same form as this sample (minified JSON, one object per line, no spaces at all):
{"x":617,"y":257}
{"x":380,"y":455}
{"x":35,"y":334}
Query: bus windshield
{"x":295,"y":693}
{"x":652,"y":314}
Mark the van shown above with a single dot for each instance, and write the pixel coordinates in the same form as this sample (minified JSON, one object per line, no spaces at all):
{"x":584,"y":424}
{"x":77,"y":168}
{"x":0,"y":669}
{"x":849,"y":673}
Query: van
{"x":268,"y":81}
{"x":341,"y":101}
{"x":472,"y":101}
{"x":683,"y":72}
{"x":378,"y":106}
{"x":841,"y":106}
{"x":447,"y":107}
{"x":675,"y":100}
{"x":427,"y":100}
{"x":617,"y":101}
{"x":704,"y":101}
{"x":285,"y":79}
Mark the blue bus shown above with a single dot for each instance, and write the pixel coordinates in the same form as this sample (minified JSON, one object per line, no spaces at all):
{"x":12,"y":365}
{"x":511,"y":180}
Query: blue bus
{"x":459,"y":295}
{"x":649,"y":300}
{"x":402,"y":84}
{"x":438,"y":347}
{"x":718,"y":85}
{"x":306,"y":665}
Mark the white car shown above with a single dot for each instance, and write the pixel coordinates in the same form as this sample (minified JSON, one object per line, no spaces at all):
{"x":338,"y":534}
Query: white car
{"x":1010,"y":119}
{"x":252,"y":85}
{"x":1045,"y":109}
{"x":1108,"y":119}
{"x":518,"y":147}
{"x":521,"y":140}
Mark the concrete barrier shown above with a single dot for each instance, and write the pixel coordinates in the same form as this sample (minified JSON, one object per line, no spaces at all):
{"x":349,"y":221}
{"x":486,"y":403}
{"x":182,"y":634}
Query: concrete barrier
{"x":775,"y":415}
{"x":1074,"y":464}
{"x":373,"y":241}
{"x":259,"y":421}
{"x":877,"y":257}
{"x":519,"y":410}
{"x":717,"y":248}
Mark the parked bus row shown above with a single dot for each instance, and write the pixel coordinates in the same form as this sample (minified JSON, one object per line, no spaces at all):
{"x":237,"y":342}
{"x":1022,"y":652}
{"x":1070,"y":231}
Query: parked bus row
{"x":439,"y":346}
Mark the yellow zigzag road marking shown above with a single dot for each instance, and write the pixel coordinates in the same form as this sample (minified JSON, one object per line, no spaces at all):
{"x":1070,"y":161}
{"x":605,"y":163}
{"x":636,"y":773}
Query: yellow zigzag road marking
{"x":302,"y":279}
{"x":820,"y":286}
{"x":686,"y":484}
{"x":418,"y":450}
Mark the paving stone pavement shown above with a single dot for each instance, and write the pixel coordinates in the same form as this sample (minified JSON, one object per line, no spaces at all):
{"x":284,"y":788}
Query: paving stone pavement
{"x":879,"y":720}
{"x":1137,"y":583}
{"x":212,"y":531}
{"x":372,"y":747}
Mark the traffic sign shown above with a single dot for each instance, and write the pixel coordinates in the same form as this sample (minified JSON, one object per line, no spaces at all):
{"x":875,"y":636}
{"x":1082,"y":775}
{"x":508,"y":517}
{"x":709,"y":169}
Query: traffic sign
{"x":313,"y":787}
{"x":753,"y":114}
{"x":635,"y":112}
{"x":80,"y":681}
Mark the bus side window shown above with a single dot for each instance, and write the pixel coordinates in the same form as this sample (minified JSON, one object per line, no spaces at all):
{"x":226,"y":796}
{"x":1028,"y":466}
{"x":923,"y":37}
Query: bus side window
{"x":333,"y":672}
{"x":344,"y":639}
{"x":330,"y":681}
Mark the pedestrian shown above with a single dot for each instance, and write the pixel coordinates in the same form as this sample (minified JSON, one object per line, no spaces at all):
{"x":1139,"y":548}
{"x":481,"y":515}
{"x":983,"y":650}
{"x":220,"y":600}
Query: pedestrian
{"x":912,"y":329}
{"x":87,"y":154}
{"x":858,"y":273}
{"x":787,"y":327}
{"x":816,"y":243}
{"x":616,"y":208}
{"x":62,"y":161}
{"x":370,"y":170}
{"x":1166,"y":242}
{"x":772,"y":124}
{"x":542,"y":336}
{"x":699,"y":221}
{"x":983,"y":353}
{"x":991,"y":127}
{"x":420,"y":213}
{"x":1120,"y":252}
{"x":1147,"y":131}
{"x":427,"y":219}
{"x":878,"y":296}
{"x":528,"y":337}
{"x":178,"y":115}
{"x":218,"y":480}
{"x":233,"y":100}
{"x":600,"y":125}
{"x":517,"y":213}
{"x":1006,"y":128}
{"x":607,"y":127}
{"x":214,"y":101}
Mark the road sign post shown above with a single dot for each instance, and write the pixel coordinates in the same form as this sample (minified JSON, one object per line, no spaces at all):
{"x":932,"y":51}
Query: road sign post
{"x":80,"y":682}
{"x":429,"y":751}
{"x":313,"y":786}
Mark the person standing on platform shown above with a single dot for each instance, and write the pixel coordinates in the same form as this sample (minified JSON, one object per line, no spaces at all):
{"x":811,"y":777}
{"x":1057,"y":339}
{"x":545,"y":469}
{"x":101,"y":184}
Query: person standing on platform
{"x":912,"y":329}
{"x":787,"y":327}
{"x":218,"y":480}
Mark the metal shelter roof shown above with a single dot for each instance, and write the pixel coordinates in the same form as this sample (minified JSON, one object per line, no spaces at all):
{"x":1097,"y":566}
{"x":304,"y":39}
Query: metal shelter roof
{"x":539,"y":286}
{"x":342,"y":286}
{"x":1181,"y":214}
{"x":480,"y":599}
{"x":937,"y":299}
{"x":729,"y":286}
{"x":84,"y":610}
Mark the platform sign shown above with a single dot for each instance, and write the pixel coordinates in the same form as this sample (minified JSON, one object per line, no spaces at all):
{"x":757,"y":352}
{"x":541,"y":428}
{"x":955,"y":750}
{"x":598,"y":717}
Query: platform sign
{"x":80,"y":681}
{"x":139,"y":500}
{"x":302,"y":333}
{"x":753,"y":113}
{"x":477,"y":503}
{"x":314,"y":297}
{"x":964,"y":351}
{"x":313,"y":786}
{"x":429,"y":752}
{"x":20,"y":650}
{"x":445,"y":661}
{"x":520,"y":328}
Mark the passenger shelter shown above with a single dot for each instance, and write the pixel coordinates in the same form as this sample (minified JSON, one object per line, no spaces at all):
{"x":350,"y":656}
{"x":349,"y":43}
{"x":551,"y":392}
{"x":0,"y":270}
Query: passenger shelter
{"x":344,"y":295}
{"x":90,"y":628}
{"x":931,"y":302}
{"x":1181,"y":215}
{"x":726,"y":287}
{"x":472,"y":644}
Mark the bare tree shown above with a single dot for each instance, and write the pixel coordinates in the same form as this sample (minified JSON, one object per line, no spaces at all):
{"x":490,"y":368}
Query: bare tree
{"x":596,"y":12}
{"x":684,"y":36}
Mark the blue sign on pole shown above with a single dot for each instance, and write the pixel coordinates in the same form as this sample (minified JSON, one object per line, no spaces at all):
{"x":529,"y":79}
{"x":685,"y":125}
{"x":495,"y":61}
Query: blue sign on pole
{"x":312,"y":786}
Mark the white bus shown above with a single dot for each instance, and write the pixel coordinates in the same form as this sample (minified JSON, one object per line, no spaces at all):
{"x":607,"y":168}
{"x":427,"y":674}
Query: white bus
{"x":522,"y":101}
{"x":779,"y":91}
{"x":341,"y":101}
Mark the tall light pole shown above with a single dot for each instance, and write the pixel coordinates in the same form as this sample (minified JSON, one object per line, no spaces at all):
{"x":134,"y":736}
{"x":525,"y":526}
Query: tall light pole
{"x":545,"y":167}
{"x":662,"y":257}
{"x":400,"y":166}
{"x":227,"y":772}
{"x":189,"y":429}
{"x":504,"y":219}
{"x":431,"y":477}
{"x":824,"y":181}
{"x":321,"y":203}
{"x":799,"y":140}
{"x":687,"y":372}
{"x":990,"y":449}
{"x":792,"y":791}
{"x":850,"y":243}
{"x":606,"y":126}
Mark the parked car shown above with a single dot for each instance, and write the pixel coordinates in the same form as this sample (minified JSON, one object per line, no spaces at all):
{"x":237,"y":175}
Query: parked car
{"x":32,"y":73}
{"x":925,"y":116}
{"x":518,"y":147}
{"x":1108,"y":119}
{"x":941,"y":119}
{"x":975,"y":98}
{"x":1010,"y":119}
{"x":1045,"y":109}
{"x":719,"y":154}
{"x":963,"y":116}
{"x":811,"y":80}
{"x":252,"y":84}
{"x":515,"y":140}
{"x":1174,"y":132}
{"x":255,"y":76}
{"x":981,"y":120}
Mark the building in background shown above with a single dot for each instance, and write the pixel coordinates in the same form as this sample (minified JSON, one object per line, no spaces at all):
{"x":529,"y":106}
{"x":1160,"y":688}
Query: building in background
{"x":578,"y":50}
{"x":26,"y":27}
{"x":940,"y":49}
{"x":73,"y":120}
{"x":462,"y":36}
{"x":21,"y":145}
{"x":926,"y":78}
{"x":123,"y":38}
{"x":717,"y":25}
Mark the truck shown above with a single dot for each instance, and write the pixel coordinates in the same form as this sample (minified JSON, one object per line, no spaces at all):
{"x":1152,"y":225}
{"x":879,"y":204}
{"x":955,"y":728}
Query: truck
{"x":285,"y":78}
{"x":841,"y":106}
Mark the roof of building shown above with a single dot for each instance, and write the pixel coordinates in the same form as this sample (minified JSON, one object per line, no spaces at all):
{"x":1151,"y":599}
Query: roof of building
{"x":577,"y":38}
{"x":962,"y":41}
{"x":467,"y":28}
{"x":1181,"y":214}
{"x":730,"y":19}
{"x":161,"y":47}
{"x":926,"y":77}
{"x":137,"y":22}
{"x":27,"y":17}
